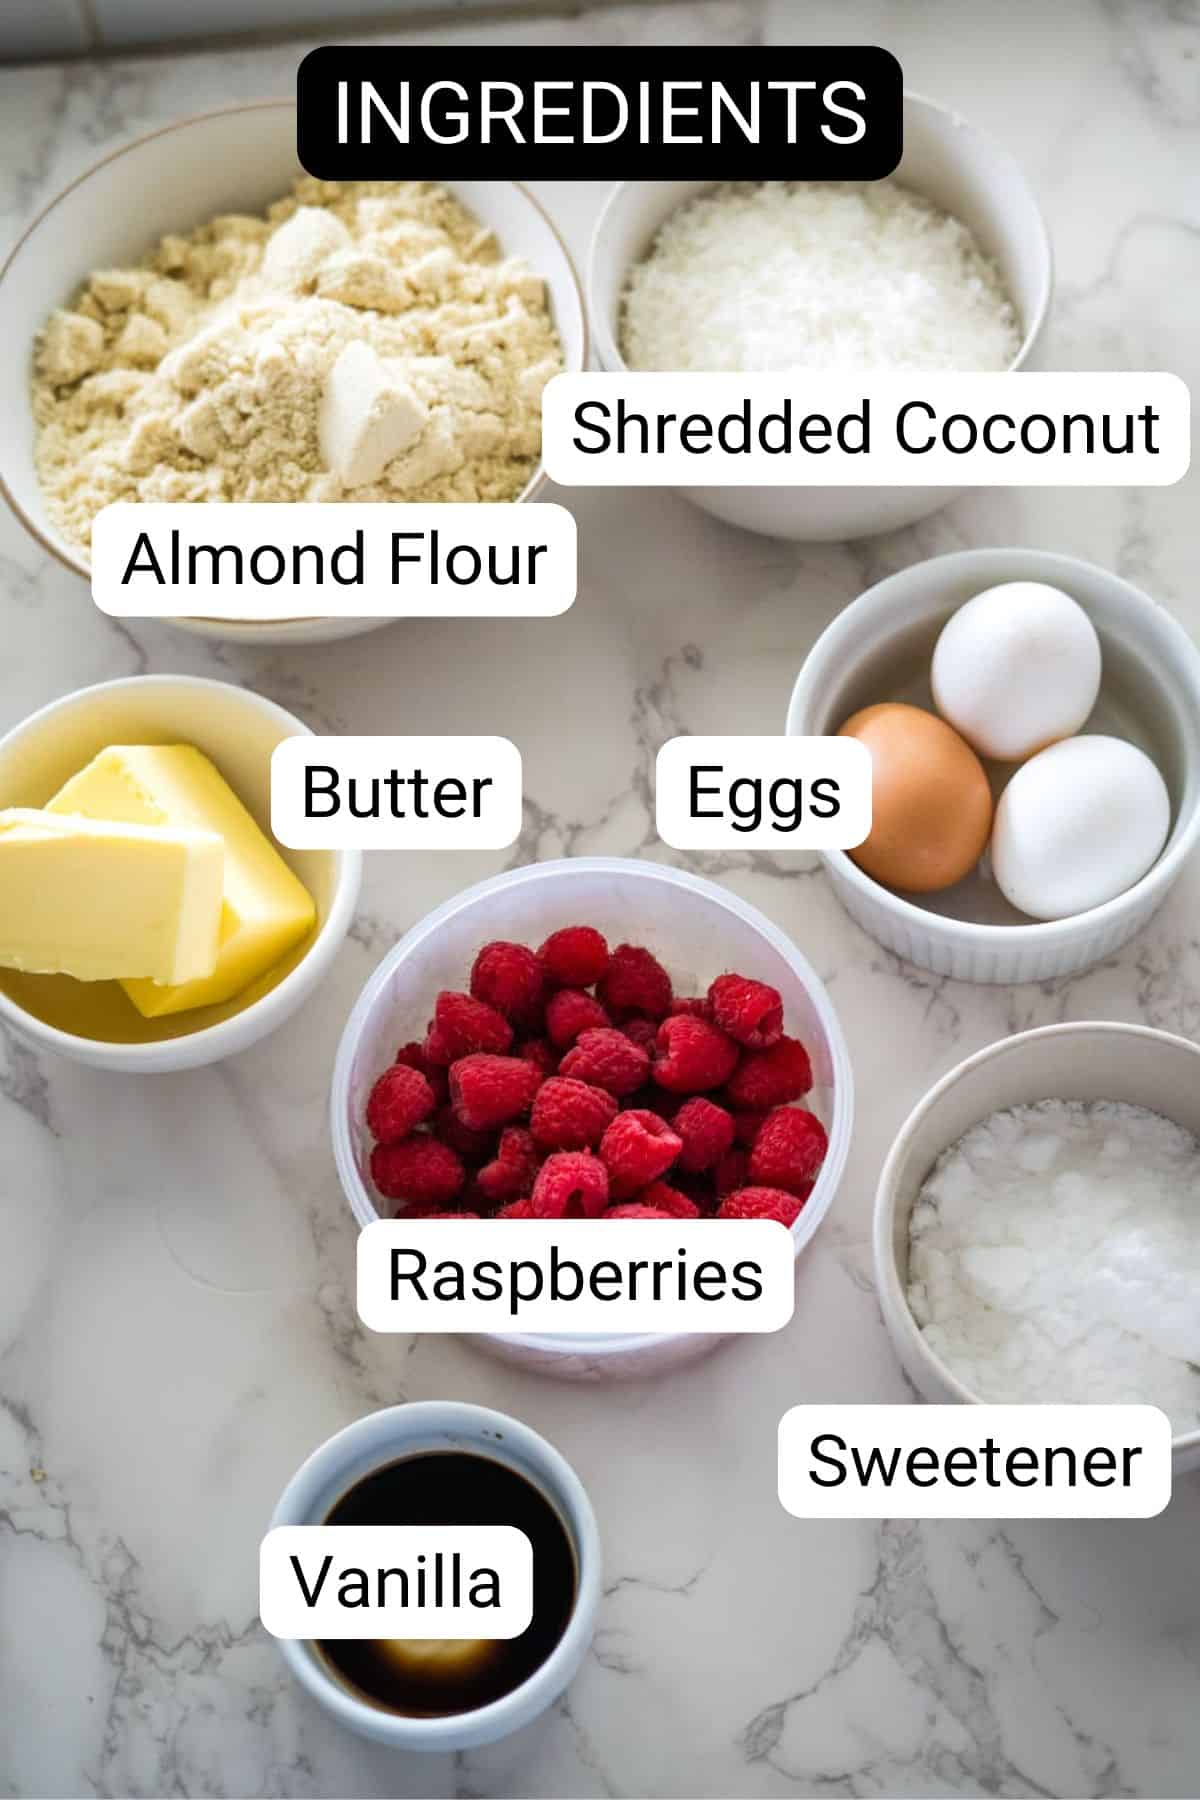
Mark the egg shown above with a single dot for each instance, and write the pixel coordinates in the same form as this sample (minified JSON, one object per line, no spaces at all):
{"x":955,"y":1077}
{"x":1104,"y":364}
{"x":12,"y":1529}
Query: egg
{"x":931,"y":803}
{"x":1017,"y":668}
{"x":1077,"y":825}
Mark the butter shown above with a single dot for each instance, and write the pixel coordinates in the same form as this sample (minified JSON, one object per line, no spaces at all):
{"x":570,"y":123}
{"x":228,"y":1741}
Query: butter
{"x":266,"y":911}
{"x":107,"y":901}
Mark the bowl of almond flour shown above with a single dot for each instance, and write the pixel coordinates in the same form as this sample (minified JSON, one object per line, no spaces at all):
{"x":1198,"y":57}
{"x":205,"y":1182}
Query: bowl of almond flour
{"x":196,"y":319}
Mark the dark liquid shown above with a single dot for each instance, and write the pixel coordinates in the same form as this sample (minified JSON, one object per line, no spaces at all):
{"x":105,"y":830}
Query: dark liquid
{"x":457,"y":1488}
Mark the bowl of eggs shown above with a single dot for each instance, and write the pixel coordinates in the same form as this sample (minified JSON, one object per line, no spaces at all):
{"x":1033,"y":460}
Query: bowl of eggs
{"x":1034,"y":729}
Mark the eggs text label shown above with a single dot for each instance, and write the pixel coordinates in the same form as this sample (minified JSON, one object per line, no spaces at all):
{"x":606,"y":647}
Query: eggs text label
{"x":396,"y":793}
{"x":974,"y":1462}
{"x":261,"y":562}
{"x":576,"y":1275}
{"x":395,"y":1581}
{"x":736,"y":793}
{"x":879,"y":430}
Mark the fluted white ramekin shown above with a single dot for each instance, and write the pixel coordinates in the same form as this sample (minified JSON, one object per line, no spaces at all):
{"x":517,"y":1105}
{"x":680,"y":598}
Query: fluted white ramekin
{"x":879,"y":649}
{"x":1082,"y":1060}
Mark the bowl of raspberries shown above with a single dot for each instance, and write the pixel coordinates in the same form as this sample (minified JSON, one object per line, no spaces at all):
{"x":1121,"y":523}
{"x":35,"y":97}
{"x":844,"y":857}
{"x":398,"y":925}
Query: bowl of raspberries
{"x":594,"y":1038}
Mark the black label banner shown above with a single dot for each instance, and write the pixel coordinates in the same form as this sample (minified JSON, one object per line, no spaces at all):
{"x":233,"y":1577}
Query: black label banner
{"x":387,"y":112}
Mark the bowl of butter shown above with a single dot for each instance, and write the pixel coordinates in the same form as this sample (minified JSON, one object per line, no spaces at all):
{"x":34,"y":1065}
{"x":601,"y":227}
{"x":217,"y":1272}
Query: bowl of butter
{"x":148,"y":919}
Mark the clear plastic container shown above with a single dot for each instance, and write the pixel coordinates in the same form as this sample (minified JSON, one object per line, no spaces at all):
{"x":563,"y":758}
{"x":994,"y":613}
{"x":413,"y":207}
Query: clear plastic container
{"x":697,"y":930}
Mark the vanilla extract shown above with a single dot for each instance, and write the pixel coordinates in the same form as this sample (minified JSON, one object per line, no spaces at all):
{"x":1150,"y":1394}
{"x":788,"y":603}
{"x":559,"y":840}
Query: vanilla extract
{"x":429,"y":1678}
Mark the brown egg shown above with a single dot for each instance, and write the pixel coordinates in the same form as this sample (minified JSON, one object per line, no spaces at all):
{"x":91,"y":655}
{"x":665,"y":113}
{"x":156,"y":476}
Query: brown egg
{"x":932,"y":803}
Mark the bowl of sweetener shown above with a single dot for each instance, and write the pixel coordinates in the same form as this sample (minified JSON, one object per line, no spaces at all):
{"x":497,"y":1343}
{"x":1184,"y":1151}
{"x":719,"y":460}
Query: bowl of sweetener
{"x":1037,"y":1226}
{"x":945,"y":265}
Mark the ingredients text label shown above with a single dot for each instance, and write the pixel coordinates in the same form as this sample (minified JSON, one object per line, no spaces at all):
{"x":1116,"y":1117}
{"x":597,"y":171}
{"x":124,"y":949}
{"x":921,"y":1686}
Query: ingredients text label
{"x":790,"y":793}
{"x":974,"y":1462}
{"x":888,"y":430}
{"x":577,"y":1275}
{"x":261,"y":562}
{"x":378,"y":110}
{"x":396,"y":793}
{"x":395,"y":1581}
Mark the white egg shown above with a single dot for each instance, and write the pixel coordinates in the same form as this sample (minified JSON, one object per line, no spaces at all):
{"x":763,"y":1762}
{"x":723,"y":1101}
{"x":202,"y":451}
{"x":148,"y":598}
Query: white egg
{"x":1017,"y":668}
{"x":1077,"y":825}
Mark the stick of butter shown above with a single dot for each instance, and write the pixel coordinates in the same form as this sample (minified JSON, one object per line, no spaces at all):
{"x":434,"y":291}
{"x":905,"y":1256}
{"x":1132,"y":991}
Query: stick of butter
{"x":267,"y":910}
{"x":103,"y":901}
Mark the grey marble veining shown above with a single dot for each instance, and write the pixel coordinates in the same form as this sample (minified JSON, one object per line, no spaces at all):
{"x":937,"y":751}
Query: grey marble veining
{"x":176,"y":1320}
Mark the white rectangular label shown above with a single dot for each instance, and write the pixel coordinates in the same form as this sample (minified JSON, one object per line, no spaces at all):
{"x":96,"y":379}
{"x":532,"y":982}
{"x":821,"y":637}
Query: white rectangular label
{"x":255,"y":561}
{"x":396,"y":793}
{"x":576,"y":1275}
{"x":642,"y":429}
{"x":763,"y":793}
{"x":974,"y":1462}
{"x":395,"y":1581}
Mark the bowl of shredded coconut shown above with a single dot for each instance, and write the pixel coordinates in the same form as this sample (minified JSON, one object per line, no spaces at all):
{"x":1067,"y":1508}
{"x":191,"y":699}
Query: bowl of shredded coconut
{"x":944,"y":266}
{"x":208,"y":323}
{"x":1037,"y":1226}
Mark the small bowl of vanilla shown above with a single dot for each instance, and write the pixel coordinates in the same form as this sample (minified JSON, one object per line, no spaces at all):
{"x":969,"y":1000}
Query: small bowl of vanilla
{"x":945,"y":265}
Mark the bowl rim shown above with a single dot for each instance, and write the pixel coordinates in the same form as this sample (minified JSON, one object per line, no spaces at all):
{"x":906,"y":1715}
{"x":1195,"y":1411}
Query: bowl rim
{"x":1055,"y":567}
{"x":629,"y":868}
{"x":343,"y":899}
{"x":609,"y":353}
{"x":490,"y":1430}
{"x":893,"y":1300}
{"x":538,"y":480}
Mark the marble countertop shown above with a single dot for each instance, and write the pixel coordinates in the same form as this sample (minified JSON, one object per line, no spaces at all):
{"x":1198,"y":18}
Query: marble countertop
{"x":177,"y":1326}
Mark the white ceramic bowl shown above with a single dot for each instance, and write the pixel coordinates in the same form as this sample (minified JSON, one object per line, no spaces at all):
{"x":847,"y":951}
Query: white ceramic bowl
{"x":880,"y":647}
{"x":174,"y":178}
{"x":696,"y":928}
{"x":948,"y":162}
{"x":399,"y":1431}
{"x":93,"y":1022}
{"x":1079,"y":1061}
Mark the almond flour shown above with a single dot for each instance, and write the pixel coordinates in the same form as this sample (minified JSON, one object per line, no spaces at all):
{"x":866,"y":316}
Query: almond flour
{"x":363,"y":340}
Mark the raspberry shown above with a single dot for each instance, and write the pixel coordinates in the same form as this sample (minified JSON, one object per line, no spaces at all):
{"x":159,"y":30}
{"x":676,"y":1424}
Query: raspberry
{"x":412,"y":1056}
{"x":419,"y":1170}
{"x":707,"y":1133}
{"x":576,"y":956}
{"x":570,"y":1115}
{"x":637,"y":1209}
{"x":749,"y":1011}
{"x":731,"y":1172}
{"x":399,"y":1101}
{"x":569,"y":1012}
{"x":509,"y":978}
{"x":635,"y":982}
{"x":541,"y":1053}
{"x":636,"y":1149}
{"x":692,"y":1055}
{"x":437,"y":1049}
{"x":571,"y":1184}
{"x":747,"y":1124}
{"x":761,"y":1203}
{"x":452,"y":1215}
{"x":789,"y":1150}
{"x":519,"y":1209}
{"x":669,"y":1201}
{"x":513,"y":1168}
{"x":473,"y":1146}
{"x":464,"y":1025}
{"x":487,"y":1091}
{"x":609,"y":1060}
{"x":641,"y":1032}
{"x":692,"y":1008}
{"x":766,"y":1078}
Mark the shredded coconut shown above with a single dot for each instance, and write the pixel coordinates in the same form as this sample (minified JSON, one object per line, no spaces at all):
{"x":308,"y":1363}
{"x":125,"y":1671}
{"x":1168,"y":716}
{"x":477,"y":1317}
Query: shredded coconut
{"x":816,"y":275}
{"x":208,"y":372}
{"x":1055,"y":1256}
